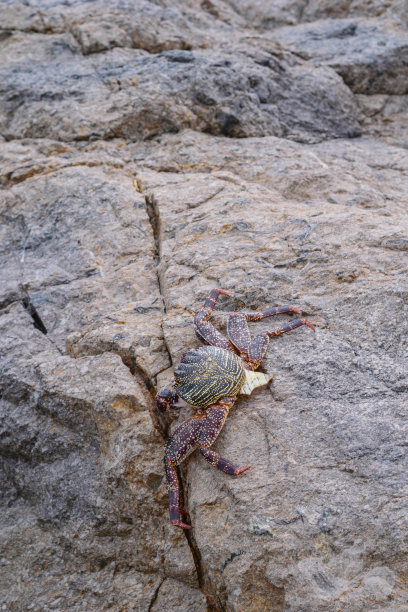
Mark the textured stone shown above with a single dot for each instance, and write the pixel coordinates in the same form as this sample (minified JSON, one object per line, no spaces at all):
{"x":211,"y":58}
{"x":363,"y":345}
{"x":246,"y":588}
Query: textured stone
{"x":321,"y":438}
{"x":266,"y":15}
{"x":78,"y":451}
{"x":130,"y":93}
{"x":370,"y":55}
{"x":112,"y":232}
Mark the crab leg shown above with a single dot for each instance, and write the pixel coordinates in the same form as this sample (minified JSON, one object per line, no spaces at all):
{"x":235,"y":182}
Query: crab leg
{"x":199,"y":431}
{"x":174,"y":495}
{"x":180,"y":444}
{"x":259,"y":344}
{"x":211,"y":427}
{"x":237,"y":328}
{"x":205,"y":330}
{"x":222,"y":464}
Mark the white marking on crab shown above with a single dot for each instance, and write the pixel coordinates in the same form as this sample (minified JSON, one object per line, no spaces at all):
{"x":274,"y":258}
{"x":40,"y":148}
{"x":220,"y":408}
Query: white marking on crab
{"x":253,"y":380}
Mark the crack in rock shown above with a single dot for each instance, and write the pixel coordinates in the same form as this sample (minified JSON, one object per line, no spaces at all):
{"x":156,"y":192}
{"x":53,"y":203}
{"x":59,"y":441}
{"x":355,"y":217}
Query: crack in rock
{"x":213,"y":601}
{"x":32,"y":311}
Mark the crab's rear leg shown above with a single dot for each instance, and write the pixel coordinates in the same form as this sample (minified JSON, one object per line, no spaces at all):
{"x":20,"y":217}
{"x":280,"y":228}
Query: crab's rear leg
{"x":222,"y":464}
{"x":237,"y":327}
{"x":174,"y":495}
{"x":180,"y":444}
{"x":259,"y":344}
{"x":211,"y":427}
{"x":205,"y":330}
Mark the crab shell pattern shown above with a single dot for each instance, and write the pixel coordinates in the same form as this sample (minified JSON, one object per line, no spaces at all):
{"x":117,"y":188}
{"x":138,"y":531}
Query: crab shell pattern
{"x":208,"y":373}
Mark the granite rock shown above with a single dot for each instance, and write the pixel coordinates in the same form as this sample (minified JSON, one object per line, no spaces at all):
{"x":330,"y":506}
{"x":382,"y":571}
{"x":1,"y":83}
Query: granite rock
{"x":326,"y":439}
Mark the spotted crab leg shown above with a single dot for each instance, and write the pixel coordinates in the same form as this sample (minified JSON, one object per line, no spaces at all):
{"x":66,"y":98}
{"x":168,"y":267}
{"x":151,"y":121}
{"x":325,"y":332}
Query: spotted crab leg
{"x":259,"y":344}
{"x":237,"y":327}
{"x":197,"y":432}
{"x":174,"y":495}
{"x":179,"y":446}
{"x":222,"y":464}
{"x":210,"y":430}
{"x":205,"y":330}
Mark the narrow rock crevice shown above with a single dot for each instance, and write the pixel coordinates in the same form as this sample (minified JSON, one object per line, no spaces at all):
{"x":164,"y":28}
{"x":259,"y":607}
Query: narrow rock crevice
{"x":8,"y":181}
{"x":155,"y":595}
{"x":154,"y":218}
{"x":32,"y":311}
{"x":204,"y":583}
{"x":159,"y":421}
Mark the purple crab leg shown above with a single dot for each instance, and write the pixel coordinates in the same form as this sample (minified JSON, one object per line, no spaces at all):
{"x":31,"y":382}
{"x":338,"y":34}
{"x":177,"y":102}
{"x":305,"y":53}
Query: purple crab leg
{"x":259,"y":344}
{"x":205,"y":330}
{"x":174,"y":495}
{"x":211,"y":427}
{"x":222,"y":464}
{"x":237,"y":327}
{"x":180,"y":444}
{"x":196,"y":432}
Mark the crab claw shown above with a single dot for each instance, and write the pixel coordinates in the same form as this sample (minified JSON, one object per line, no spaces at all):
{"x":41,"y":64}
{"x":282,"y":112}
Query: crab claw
{"x":165,"y":399}
{"x":294,"y":309}
{"x":241,"y":470}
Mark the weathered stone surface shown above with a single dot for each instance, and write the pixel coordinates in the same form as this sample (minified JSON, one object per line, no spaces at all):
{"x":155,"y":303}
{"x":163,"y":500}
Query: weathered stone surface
{"x":87,"y":274}
{"x":313,"y":226}
{"x":78,"y":450}
{"x":266,"y":15}
{"x":112,"y":232}
{"x":131,"y":93}
{"x":318,"y":9}
{"x":370,"y":55}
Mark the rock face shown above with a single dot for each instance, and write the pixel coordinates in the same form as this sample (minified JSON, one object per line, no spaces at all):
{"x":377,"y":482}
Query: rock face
{"x":150,"y":153}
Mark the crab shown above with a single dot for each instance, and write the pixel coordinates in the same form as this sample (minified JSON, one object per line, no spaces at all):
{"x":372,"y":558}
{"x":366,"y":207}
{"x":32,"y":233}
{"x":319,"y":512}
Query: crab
{"x":209,"y":379}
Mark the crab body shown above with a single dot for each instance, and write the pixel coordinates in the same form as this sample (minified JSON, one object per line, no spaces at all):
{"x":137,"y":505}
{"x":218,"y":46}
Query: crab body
{"x":209,"y":379}
{"x":208,"y":373}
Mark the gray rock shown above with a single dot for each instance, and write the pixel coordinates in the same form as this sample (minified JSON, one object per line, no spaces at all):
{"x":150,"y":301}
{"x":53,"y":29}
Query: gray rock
{"x":113,"y":231}
{"x":265,"y":15}
{"x":326,"y":439}
{"x":132,"y":94}
{"x":78,"y":450}
{"x":370,"y":55}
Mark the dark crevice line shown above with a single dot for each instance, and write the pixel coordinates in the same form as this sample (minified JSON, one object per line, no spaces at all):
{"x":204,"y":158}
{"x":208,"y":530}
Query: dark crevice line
{"x":16,"y":297}
{"x":159,"y":421}
{"x":32,"y":311}
{"x":155,"y":595}
{"x":8,"y":181}
{"x":154,"y":218}
{"x":38,"y":323}
{"x":204,"y":583}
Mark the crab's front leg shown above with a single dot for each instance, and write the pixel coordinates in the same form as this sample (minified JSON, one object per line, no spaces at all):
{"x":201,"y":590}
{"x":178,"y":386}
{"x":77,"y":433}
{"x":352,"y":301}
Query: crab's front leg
{"x":179,"y":446}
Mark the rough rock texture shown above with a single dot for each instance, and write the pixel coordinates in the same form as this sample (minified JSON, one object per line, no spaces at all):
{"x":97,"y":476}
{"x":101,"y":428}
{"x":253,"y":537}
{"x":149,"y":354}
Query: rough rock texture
{"x":150,"y":153}
{"x":370,"y":55}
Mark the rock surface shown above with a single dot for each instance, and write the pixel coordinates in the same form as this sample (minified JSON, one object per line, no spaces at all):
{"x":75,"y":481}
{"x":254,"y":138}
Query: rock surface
{"x":147,"y":156}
